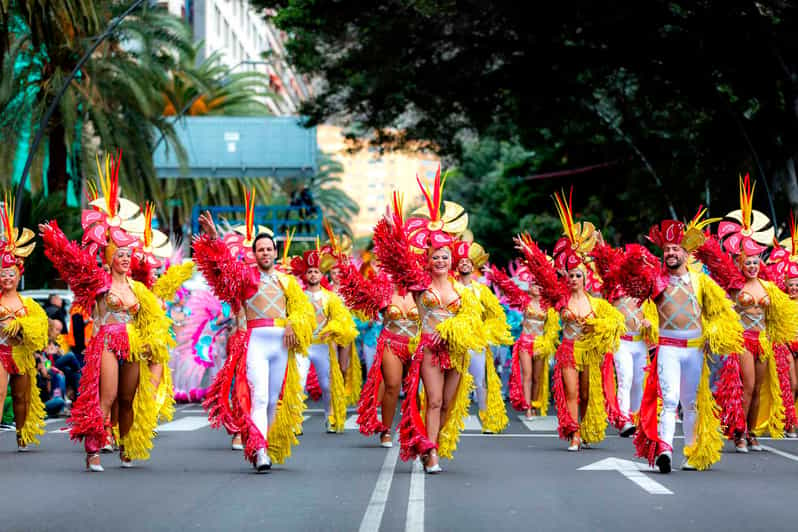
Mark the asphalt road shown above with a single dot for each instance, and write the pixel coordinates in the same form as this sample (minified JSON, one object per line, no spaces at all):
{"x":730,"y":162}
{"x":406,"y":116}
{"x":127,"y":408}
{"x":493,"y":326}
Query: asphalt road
{"x":520,"y":480}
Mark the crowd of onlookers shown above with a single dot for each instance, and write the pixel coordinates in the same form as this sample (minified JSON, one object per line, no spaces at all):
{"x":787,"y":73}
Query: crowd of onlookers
{"x":59,"y":364}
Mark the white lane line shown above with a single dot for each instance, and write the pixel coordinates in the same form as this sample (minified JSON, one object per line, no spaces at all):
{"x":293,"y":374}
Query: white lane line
{"x":472,"y":423}
{"x":539,"y":424}
{"x":194,"y":411}
{"x":783,"y":454}
{"x":185,"y":424}
{"x":630,"y":470}
{"x":379,"y":497}
{"x":351,"y":423}
{"x":414,"y":522}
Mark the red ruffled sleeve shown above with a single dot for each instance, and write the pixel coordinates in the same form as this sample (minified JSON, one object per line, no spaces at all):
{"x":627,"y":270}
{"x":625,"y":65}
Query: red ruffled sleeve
{"x":720,"y":265}
{"x":76,"y":266}
{"x":141,"y":271}
{"x":232,"y":281}
{"x":396,"y":257}
{"x":553,"y":292}
{"x":516,"y":298}
{"x":369,"y":296}
{"x":640,"y":274}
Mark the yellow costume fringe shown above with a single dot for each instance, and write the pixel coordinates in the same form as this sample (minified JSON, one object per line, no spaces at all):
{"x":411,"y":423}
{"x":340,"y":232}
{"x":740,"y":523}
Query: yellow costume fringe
{"x":705,"y":451}
{"x":463,"y":331}
{"x":33,"y":328}
{"x":781,"y":316}
{"x":650,"y":334}
{"x":770,"y":416}
{"x":494,"y":319}
{"x":456,"y":415}
{"x":337,"y":416}
{"x":720,"y":324}
{"x":170,"y":282}
{"x":494,"y":417}
{"x":299,"y":312}
{"x":165,"y":396}
{"x":340,"y":329}
{"x":545,"y":347}
{"x":353,"y":380}
{"x":288,"y":417}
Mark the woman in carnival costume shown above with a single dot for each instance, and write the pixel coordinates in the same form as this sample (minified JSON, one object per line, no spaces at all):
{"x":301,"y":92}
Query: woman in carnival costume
{"x":591,"y":328}
{"x":373,"y":297}
{"x":748,"y":389}
{"x":130,"y":324}
{"x":537,"y":343}
{"x":417,"y":254}
{"x":468,"y":257}
{"x":785,"y":273}
{"x":267,"y":400}
{"x":23,"y":332}
{"x":334,"y":327}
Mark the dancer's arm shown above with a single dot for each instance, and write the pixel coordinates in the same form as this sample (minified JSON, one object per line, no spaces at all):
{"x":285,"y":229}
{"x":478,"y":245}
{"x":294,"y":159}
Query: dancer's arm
{"x":369,"y":296}
{"x":553,"y":292}
{"x":517,"y":299}
{"x":392,"y":247}
{"x":720,"y":265}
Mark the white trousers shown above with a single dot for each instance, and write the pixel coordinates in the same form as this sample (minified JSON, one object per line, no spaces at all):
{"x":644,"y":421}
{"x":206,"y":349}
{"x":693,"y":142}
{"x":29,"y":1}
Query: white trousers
{"x":679,"y":371}
{"x":267,"y":359}
{"x":319,"y":355}
{"x":630,"y":362}
{"x":369,"y":353}
{"x":477,"y":370}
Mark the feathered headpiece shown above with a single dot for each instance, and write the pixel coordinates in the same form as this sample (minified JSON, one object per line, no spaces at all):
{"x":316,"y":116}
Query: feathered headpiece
{"x":113,"y":220}
{"x":335,"y":247}
{"x":15,"y":247}
{"x":690,"y":237}
{"x":750,"y":234}
{"x":156,"y":247}
{"x":240,"y":240}
{"x":464,"y":249}
{"x":309,"y":259}
{"x":785,"y":254}
{"x":571,"y":251}
{"x":285,"y":262}
{"x":440,"y":228}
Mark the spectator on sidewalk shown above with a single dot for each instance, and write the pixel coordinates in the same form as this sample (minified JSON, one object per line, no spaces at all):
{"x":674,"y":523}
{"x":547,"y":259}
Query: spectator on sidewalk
{"x":67,"y":363}
{"x":51,"y":386}
{"x":55,"y":309}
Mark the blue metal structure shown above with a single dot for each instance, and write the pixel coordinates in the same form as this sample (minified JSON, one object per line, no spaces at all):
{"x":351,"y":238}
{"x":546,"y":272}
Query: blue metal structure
{"x":223,"y":146}
{"x":278,"y":218}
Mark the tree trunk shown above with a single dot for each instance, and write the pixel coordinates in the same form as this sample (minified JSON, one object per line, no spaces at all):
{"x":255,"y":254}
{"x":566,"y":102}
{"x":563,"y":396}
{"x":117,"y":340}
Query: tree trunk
{"x":57,"y":176}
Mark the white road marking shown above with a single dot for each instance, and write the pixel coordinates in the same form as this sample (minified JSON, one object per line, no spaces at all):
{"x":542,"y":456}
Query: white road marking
{"x":783,"y":454}
{"x":632,"y":471}
{"x":183,"y":424}
{"x":379,"y":497}
{"x":193,"y":411}
{"x":414,"y":522}
{"x":472,"y":423}
{"x":351,"y":423}
{"x":539,"y":424}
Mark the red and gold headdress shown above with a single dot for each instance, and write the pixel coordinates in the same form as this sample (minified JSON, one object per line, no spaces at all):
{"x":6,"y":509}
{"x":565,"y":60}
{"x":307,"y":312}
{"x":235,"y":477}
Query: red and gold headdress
{"x":440,"y":228}
{"x":240,"y":240}
{"x":337,"y":246}
{"x":571,"y":251}
{"x":112,"y":219}
{"x":285,"y":262}
{"x":690,"y":237}
{"x":309,"y":259}
{"x":785,"y":254}
{"x":750,"y":234}
{"x":156,"y":247}
{"x":15,"y":247}
{"x":468,"y":249}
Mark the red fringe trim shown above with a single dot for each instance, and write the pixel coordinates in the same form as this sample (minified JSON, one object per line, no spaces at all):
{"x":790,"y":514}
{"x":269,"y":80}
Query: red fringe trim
{"x":413,"y":440}
{"x":729,"y":396}
{"x":231,"y":280}
{"x":141,"y":271}
{"x":517,"y":298}
{"x":312,"y":386}
{"x":564,"y":358}
{"x":526,"y":343}
{"x":720,"y":265}
{"x":87,"y":419}
{"x":647,"y":442}
{"x":440,"y":356}
{"x":7,"y":359}
{"x":393,"y":250}
{"x":639,"y":274}
{"x":783,"y":366}
{"x":614,"y":414}
{"x":367,"y":296}
{"x":554,"y":292}
{"x":218,"y":399}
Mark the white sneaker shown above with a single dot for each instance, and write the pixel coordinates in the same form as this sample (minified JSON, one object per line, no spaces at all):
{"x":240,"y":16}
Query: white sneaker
{"x":328,"y":427}
{"x":262,"y":461}
{"x":792,"y":434}
{"x":687,"y":466}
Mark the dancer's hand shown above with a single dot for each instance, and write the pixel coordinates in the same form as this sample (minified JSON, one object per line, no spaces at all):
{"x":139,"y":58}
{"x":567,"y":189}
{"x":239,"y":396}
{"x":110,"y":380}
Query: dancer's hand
{"x":206,"y":224}
{"x":289,"y":338}
{"x":43,"y":228}
{"x":645,"y":324}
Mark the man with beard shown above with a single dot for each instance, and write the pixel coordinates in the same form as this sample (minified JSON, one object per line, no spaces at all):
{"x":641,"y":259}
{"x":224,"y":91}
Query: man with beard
{"x":334,"y":326}
{"x":492,"y":413}
{"x":695,"y":318}
{"x":279,"y":326}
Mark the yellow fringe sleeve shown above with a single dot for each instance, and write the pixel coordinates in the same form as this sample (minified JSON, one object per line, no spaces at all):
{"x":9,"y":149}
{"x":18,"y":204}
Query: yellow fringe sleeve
{"x":165,"y":396}
{"x":150,"y":336}
{"x":705,"y":451}
{"x":651,"y":334}
{"x":463,"y":331}
{"x":770,"y":416}
{"x":593,"y":427}
{"x":721,"y":325}
{"x":299,"y":312}
{"x":494,"y":417}
{"x":340,"y":327}
{"x":289,"y":415}
{"x":494,"y":320}
{"x":546,"y":343}
{"x":33,"y":329}
{"x":353,"y":380}
{"x":138,"y":440}
{"x":449,"y":434}
{"x":781,"y":316}
{"x":337,"y":416}
{"x":608,"y":326}
{"x":170,"y":282}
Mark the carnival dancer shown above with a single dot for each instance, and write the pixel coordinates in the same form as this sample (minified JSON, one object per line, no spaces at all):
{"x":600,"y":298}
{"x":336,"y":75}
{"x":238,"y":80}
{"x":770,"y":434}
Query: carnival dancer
{"x":785,"y":272}
{"x":267,"y":402}
{"x":695,"y":319}
{"x":748,"y":387}
{"x":23,"y":332}
{"x":470,"y":256}
{"x":450,"y":325}
{"x":591,"y":328}
{"x":334,"y":327}
{"x":372,"y":297}
{"x":631,"y":357}
{"x":537,"y":343}
{"x":130,"y":324}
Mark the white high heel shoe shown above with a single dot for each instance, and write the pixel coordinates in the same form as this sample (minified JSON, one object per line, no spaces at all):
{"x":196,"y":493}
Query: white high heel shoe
{"x":94,"y":468}
{"x":262,"y":461}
